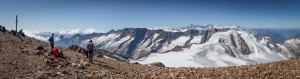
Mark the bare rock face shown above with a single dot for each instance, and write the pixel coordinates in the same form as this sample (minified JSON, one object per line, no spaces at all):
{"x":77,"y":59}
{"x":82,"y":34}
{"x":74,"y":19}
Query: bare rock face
{"x":244,"y":49}
{"x":228,"y":51}
{"x":177,"y":48}
{"x":157,"y":64}
{"x":293,"y":45}
{"x":232,"y":40}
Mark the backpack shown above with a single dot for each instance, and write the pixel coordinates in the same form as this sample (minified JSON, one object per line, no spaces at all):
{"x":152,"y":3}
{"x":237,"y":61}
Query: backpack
{"x":55,"y":52}
{"x":40,"y":47}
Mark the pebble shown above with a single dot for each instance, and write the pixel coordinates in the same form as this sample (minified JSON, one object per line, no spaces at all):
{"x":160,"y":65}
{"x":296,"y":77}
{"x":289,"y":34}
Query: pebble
{"x":73,"y":64}
{"x":80,"y":66}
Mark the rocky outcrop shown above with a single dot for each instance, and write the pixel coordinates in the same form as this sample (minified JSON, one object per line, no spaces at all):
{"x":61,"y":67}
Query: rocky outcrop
{"x":228,"y":51}
{"x":293,"y":46}
{"x":98,"y":52}
{"x":232,"y":40}
{"x":157,"y":64}
{"x":177,"y":48}
{"x":2,"y":29}
{"x":77,"y":49}
{"x":244,"y":49}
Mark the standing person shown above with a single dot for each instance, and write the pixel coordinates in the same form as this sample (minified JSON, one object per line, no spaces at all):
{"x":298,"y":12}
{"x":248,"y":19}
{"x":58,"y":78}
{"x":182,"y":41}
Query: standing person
{"x":51,"y":40}
{"x":90,"y":47}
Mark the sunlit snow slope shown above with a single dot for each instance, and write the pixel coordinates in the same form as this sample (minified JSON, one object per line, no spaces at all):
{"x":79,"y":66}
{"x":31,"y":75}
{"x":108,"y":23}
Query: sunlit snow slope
{"x":222,"y":49}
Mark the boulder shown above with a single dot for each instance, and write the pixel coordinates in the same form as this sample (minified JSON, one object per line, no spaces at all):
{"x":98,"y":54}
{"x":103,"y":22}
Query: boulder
{"x":77,"y":49}
{"x":177,"y":48}
{"x":25,"y":51}
{"x":64,"y":63}
{"x":157,"y":64}
{"x":2,"y":29}
{"x":136,"y":63}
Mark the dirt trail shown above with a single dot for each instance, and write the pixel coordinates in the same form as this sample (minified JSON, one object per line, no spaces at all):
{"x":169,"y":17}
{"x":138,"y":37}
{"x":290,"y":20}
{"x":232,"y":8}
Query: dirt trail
{"x":18,"y":59}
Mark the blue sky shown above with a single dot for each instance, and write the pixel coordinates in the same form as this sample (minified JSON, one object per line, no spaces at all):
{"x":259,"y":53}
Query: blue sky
{"x":51,"y":15}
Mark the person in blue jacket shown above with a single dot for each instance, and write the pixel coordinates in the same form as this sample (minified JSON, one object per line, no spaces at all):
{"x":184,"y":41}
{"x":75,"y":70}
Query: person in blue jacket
{"x":51,"y":40}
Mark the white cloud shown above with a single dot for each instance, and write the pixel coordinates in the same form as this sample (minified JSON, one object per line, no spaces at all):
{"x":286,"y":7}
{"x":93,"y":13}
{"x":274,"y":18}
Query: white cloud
{"x":33,"y":34}
{"x":72,"y":31}
{"x":92,"y":30}
{"x":66,"y":33}
{"x":79,"y":31}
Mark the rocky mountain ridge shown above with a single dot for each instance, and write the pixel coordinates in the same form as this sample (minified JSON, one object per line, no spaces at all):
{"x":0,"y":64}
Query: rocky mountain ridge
{"x":233,"y":41}
{"x":153,"y":40}
{"x":156,"y":40}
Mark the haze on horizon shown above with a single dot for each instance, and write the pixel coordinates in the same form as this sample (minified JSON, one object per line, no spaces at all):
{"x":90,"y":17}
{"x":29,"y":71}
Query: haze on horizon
{"x":49,"y":15}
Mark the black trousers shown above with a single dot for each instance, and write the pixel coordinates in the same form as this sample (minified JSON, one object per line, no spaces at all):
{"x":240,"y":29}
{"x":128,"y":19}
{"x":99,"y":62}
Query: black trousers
{"x":91,"y":52}
{"x":52,"y":46}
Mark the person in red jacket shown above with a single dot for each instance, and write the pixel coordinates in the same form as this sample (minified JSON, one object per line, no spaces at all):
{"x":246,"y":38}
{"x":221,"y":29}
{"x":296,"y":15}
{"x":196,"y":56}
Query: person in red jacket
{"x":55,"y":52}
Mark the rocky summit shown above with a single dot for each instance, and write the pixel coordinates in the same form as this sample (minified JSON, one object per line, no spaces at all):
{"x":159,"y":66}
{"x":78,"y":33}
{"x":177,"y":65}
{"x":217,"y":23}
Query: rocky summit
{"x":21,"y":59}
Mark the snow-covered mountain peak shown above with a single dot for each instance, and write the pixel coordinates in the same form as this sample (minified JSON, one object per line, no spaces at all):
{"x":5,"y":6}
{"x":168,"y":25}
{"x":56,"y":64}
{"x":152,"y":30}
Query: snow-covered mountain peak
{"x":202,"y":45}
{"x":196,"y":27}
{"x":211,"y":26}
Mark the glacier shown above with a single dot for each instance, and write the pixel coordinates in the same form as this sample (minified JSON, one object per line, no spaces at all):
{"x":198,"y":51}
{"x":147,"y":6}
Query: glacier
{"x":211,"y":53}
{"x":190,"y":46}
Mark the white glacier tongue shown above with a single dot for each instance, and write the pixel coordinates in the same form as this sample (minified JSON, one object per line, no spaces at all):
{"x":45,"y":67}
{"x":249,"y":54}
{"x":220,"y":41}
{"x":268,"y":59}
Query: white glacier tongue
{"x":218,"y":51}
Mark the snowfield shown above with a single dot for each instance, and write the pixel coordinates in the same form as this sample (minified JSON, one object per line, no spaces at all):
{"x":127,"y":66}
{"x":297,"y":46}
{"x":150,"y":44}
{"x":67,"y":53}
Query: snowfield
{"x":212,"y":53}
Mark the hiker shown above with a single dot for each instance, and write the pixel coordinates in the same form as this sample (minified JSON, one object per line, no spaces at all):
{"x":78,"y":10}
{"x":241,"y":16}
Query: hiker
{"x":61,"y":54}
{"x":90,"y":47}
{"x":51,"y":40}
{"x":22,"y":33}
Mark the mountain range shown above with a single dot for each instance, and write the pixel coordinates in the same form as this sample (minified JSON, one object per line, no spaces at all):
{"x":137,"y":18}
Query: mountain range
{"x":193,"y":45}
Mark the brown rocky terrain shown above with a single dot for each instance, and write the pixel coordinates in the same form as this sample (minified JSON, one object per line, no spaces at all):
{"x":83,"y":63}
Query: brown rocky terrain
{"x":19,"y":59}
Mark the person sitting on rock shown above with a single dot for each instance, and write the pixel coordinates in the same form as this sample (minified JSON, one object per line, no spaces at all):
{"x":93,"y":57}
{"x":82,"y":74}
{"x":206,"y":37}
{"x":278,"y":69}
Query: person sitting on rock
{"x":55,"y":52}
{"x":90,"y":47}
{"x":15,"y":32}
{"x":51,"y":40}
{"x":61,"y":54}
{"x":22,"y":33}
